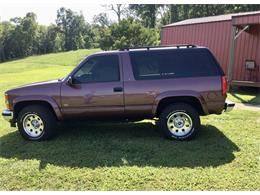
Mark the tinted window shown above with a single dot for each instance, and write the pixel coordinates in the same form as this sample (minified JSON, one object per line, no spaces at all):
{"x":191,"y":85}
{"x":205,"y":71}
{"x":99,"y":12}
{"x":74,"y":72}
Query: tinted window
{"x":98,"y":69}
{"x":174,"y":63}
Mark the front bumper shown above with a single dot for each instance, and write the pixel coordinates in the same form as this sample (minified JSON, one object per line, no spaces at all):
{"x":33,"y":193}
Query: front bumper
{"x":8,"y":115}
{"x":229,"y":106}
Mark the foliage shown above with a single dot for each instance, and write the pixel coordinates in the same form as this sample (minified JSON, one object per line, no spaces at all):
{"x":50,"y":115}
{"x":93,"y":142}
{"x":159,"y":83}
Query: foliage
{"x":102,"y":20}
{"x":53,"y":41}
{"x":77,"y":34}
{"x":128,"y":33}
{"x":179,"y":12}
{"x":21,"y":37}
{"x":5,"y":33}
{"x":147,"y":13}
{"x":137,"y":25}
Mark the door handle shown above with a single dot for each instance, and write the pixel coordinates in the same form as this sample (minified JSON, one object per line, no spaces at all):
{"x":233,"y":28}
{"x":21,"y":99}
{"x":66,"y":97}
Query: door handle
{"x":118,"y":89}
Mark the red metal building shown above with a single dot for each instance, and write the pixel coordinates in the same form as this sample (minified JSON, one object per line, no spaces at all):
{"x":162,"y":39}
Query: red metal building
{"x":234,"y":39}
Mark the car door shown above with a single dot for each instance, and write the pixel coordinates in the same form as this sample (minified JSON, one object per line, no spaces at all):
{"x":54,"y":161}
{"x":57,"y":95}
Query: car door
{"x":96,"y":89}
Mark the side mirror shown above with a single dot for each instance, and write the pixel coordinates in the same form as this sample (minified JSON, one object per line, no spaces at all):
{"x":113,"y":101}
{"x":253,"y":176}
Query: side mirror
{"x":70,"y":81}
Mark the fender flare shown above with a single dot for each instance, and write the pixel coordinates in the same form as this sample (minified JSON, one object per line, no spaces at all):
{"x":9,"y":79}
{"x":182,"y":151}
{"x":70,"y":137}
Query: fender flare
{"x":46,"y":99}
{"x":186,"y":93}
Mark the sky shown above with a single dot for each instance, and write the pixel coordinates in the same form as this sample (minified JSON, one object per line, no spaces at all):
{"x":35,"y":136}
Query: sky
{"x":46,"y":10}
{"x":46,"y":13}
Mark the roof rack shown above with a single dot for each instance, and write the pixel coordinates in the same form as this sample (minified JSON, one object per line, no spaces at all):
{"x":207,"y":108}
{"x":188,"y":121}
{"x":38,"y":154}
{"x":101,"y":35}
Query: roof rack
{"x":160,"y":46}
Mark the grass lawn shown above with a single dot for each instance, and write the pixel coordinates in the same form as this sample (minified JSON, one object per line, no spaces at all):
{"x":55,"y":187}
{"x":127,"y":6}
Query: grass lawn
{"x":224,"y":156}
{"x":244,"y":95}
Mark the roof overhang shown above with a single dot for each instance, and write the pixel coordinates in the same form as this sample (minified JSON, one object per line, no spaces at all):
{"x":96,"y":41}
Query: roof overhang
{"x":237,"y":19}
{"x":246,"y":19}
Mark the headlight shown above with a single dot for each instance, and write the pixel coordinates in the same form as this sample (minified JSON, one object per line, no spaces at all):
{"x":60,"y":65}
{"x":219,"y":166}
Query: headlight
{"x":7,"y":104}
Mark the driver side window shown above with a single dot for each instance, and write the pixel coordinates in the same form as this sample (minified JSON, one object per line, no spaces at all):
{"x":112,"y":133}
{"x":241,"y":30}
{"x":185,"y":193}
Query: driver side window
{"x":98,"y":69}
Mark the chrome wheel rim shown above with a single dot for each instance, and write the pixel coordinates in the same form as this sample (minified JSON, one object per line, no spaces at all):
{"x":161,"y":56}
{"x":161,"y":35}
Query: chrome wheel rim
{"x":33,"y":125}
{"x":179,"y":124}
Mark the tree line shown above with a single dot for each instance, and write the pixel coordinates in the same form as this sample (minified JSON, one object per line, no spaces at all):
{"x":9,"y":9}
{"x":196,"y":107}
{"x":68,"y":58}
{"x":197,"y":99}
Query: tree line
{"x":136,"y":25}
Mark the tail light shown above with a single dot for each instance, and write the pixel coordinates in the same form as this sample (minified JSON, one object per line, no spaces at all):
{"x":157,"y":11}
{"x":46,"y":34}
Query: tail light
{"x":224,"y":85}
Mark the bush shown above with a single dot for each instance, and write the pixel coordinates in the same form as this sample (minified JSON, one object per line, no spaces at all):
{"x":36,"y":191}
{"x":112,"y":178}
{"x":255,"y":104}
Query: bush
{"x":128,"y":33}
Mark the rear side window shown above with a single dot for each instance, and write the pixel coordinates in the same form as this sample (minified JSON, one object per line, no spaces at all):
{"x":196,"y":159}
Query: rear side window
{"x":174,"y":63}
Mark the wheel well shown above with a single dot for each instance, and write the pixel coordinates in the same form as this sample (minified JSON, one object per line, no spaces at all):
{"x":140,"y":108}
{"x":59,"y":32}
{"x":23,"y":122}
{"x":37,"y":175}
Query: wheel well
{"x":19,"y":106}
{"x":193,"y":101}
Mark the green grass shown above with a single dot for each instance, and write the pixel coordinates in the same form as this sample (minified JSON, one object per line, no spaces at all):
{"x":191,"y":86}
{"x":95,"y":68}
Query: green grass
{"x":224,"y":156}
{"x":244,"y":95}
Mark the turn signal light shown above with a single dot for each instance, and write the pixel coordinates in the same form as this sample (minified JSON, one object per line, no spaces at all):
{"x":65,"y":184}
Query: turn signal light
{"x":7,"y":101}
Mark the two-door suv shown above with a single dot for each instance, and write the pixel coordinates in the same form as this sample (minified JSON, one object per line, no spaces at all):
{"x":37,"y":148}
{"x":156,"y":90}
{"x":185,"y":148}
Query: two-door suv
{"x":176,"y":84}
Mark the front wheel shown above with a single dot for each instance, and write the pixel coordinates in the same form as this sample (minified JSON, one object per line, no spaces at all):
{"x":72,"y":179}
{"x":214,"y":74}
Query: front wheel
{"x":36,"y":122}
{"x":179,"y":121}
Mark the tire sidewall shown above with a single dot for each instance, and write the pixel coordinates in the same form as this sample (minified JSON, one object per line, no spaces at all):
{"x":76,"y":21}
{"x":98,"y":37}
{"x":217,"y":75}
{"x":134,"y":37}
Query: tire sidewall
{"x":179,"y":108}
{"x":46,"y":116}
{"x":21,"y":128}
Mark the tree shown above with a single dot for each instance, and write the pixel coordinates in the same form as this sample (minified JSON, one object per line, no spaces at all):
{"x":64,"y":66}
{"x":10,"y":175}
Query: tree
{"x":164,"y":15}
{"x":26,"y":33}
{"x":186,"y":11}
{"x":50,"y":39}
{"x":128,"y":33}
{"x":177,"y":12}
{"x":118,"y":9}
{"x":6,"y":29}
{"x":147,"y":13}
{"x":74,"y":28}
{"x":101,"y":20}
{"x":23,"y":36}
{"x":54,"y":39}
{"x":20,"y":39}
{"x":173,"y":13}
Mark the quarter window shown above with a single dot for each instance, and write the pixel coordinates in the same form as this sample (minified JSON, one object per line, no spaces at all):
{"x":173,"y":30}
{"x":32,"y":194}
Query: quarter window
{"x":174,"y":63}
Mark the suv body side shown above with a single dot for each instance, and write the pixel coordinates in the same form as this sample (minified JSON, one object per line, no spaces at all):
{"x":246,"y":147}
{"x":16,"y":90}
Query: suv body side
{"x":174,"y":85}
{"x":140,"y":98}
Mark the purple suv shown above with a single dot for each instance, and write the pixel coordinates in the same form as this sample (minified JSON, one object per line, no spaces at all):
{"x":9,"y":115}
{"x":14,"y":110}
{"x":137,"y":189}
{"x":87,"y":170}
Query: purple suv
{"x":176,"y":84}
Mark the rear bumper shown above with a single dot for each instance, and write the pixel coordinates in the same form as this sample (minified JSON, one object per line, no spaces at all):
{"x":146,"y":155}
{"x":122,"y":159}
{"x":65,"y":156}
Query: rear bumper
{"x":8,"y":115}
{"x":229,"y":106}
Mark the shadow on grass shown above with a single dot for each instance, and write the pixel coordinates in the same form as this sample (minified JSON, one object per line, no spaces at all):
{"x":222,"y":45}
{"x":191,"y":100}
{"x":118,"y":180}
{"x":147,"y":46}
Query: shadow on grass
{"x":253,"y":91}
{"x":132,"y":144}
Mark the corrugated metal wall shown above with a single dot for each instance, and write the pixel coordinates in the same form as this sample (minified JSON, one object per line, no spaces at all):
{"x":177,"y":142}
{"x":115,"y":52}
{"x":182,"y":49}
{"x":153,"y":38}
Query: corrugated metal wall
{"x":216,"y":36}
{"x":247,"y":48}
{"x":248,"y":19}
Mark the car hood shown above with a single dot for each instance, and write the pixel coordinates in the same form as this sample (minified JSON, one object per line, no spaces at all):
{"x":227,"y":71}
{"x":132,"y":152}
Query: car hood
{"x":36,"y":88}
{"x":39,"y":83}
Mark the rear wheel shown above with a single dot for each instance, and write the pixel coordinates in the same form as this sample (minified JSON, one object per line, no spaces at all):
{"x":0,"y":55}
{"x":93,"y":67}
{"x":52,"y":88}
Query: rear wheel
{"x":36,"y":122}
{"x":179,"y":121}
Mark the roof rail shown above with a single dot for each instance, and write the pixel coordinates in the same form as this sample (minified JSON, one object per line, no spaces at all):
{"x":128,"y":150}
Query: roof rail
{"x":159,"y":46}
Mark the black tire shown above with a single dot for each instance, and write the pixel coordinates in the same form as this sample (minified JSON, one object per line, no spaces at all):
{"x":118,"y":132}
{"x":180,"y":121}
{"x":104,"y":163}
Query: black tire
{"x":171,"y":111}
{"x":47,"y":117}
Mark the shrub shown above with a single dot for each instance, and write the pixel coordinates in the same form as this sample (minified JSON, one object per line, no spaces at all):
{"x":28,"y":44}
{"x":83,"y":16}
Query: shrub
{"x":128,"y":33}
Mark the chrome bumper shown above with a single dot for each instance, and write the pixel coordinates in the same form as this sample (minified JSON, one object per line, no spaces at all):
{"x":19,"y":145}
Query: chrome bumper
{"x":8,"y":115}
{"x":229,"y":106}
